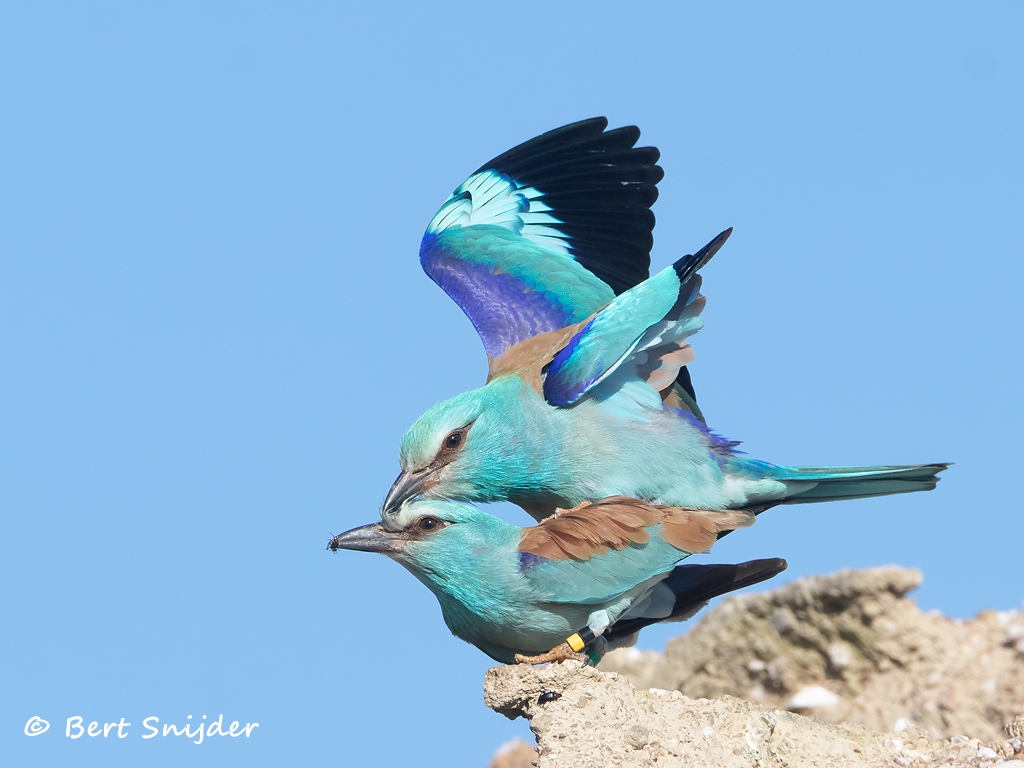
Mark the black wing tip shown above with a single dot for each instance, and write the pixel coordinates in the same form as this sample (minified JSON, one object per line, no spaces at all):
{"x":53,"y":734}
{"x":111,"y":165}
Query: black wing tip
{"x":704,"y":582}
{"x":755,"y":571}
{"x":687,"y":266}
{"x":598,"y":122}
{"x":594,"y":181}
{"x":763,"y":569}
{"x":706,"y":253}
{"x":548,"y":141}
{"x":585,"y":143}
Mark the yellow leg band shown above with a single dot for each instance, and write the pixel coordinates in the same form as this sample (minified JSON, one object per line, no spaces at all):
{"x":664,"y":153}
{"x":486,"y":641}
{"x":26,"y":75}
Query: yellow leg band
{"x":576,"y":643}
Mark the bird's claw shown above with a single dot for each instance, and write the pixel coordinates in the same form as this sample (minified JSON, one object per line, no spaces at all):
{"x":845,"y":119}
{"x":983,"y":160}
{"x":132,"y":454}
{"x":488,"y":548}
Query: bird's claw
{"x":559,"y":653}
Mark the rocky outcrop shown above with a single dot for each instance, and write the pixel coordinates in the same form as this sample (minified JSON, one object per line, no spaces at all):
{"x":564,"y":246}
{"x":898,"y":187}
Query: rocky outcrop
{"x":882,"y":682}
{"x":849,"y":647}
{"x":590,"y":719}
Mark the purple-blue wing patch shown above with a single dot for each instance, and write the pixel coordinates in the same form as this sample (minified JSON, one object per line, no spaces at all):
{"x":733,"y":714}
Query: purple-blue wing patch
{"x":511,"y":289}
{"x":529,"y":560}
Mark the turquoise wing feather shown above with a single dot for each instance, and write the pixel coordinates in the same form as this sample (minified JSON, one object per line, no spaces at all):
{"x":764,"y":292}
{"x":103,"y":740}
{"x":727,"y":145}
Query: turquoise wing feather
{"x":600,"y":578}
{"x":647,"y":326}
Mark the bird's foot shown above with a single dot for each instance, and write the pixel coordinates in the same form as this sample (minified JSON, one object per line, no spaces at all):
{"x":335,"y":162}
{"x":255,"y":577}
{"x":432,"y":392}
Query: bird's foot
{"x":559,"y":653}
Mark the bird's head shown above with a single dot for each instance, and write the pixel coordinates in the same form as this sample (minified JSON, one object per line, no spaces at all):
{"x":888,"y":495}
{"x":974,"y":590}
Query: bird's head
{"x":430,"y":538}
{"x":464,"y":448}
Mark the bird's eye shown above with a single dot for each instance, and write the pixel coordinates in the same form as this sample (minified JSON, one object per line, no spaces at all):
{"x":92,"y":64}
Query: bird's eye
{"x":454,"y":441}
{"x":429,"y":524}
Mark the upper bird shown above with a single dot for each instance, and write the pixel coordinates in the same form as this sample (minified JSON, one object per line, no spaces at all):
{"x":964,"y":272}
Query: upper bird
{"x":589,"y":578}
{"x":587,"y":394}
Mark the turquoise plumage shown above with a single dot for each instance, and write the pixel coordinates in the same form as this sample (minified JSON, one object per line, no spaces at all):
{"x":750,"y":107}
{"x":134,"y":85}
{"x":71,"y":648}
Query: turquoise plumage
{"x":603,"y":571}
{"x":588,"y":394}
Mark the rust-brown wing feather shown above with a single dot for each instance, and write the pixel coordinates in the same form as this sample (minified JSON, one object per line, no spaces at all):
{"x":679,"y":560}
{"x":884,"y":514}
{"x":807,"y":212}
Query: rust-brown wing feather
{"x":528,"y":357}
{"x":617,"y":522}
{"x":695,"y":531}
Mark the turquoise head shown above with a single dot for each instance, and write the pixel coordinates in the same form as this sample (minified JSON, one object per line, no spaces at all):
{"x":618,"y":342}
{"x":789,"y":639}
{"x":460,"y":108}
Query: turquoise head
{"x":453,"y":548}
{"x":474,"y":447}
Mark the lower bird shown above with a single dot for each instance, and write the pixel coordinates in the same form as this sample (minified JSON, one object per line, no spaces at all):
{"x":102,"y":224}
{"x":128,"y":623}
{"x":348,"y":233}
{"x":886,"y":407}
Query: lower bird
{"x":576,"y":585}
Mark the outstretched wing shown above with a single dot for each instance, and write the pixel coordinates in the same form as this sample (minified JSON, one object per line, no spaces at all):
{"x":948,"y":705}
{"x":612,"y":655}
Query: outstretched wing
{"x":640,"y":337}
{"x":546,"y":234}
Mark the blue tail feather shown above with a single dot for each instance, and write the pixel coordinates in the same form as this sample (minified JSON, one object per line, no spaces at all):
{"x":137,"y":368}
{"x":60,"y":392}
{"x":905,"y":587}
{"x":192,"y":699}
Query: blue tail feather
{"x":839,"y":483}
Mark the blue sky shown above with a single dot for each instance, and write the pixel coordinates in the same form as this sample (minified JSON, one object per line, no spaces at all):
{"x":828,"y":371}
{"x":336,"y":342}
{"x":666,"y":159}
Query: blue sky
{"x":214,"y":330}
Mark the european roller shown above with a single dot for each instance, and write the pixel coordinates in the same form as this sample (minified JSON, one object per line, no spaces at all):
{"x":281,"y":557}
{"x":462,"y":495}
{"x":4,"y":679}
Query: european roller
{"x":584,"y":580}
{"x":546,"y":250}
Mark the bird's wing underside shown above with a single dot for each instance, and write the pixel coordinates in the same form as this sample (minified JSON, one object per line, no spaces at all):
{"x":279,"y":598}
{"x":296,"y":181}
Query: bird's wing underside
{"x":593,"y":552}
{"x":640,"y":337}
{"x":547,"y":233}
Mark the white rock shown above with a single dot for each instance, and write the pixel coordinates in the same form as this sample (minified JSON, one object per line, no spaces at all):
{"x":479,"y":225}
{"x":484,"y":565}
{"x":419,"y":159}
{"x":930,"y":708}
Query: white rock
{"x":811,"y":696}
{"x":901,"y":725}
{"x":985,"y":753}
{"x":840,"y":656}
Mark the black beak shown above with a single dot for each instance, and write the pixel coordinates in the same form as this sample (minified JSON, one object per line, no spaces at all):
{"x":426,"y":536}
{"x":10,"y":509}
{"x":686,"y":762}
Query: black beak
{"x":407,"y":485}
{"x":368,"y":538}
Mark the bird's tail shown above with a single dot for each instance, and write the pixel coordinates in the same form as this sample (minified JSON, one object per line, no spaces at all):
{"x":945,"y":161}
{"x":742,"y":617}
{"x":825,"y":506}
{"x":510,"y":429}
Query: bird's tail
{"x":693,"y":586}
{"x":812,"y":484}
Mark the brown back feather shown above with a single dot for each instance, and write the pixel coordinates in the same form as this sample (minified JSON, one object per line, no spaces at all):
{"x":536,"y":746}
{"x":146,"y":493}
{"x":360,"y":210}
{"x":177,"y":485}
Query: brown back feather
{"x":529,"y":356}
{"x":618,"y":521}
